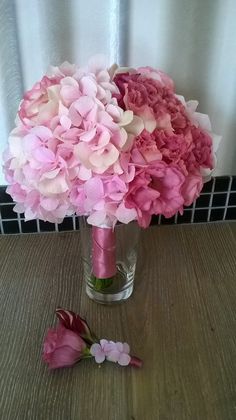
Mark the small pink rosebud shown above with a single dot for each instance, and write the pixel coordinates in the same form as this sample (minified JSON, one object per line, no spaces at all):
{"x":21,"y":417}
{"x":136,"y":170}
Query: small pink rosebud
{"x":75,"y":323}
{"x":62,"y":347}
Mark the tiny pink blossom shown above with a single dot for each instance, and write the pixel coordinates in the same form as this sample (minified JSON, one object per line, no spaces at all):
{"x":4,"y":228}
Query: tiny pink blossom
{"x":118,"y":353}
{"x":98,"y":351}
{"x":113,"y":352}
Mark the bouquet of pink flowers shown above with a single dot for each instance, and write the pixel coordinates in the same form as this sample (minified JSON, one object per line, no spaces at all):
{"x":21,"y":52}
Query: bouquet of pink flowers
{"x":114,"y":145}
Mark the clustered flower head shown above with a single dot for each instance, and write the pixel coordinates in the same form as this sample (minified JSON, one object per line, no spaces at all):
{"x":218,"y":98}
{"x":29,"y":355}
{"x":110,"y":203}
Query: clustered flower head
{"x":112,"y":144}
{"x":72,"y":340}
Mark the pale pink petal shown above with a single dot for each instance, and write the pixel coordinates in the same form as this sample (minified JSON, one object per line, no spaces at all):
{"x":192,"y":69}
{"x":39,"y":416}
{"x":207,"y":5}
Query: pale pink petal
{"x":136,"y":126}
{"x":103,"y":140}
{"x":30,"y":214}
{"x":97,"y":218}
{"x":123,"y":137}
{"x":51,"y":174}
{"x":54,"y":93}
{"x":69,"y":94}
{"x":100,"y":205}
{"x":105,"y":159}
{"x":65,"y":122}
{"x":95,"y":348}
{"x":84,"y":104}
{"x":126,"y":348}
{"x":149,"y":120}
{"x":69,"y":81}
{"x":181,"y":99}
{"x":62,"y":110}
{"x":191,"y":105}
{"x":119,"y":346}
{"x":113,"y":356}
{"x":30,"y":142}
{"x":84,"y":174}
{"x":103,"y":342}
{"x":103,"y":76}
{"x":216,"y":139}
{"x":127,"y":118}
{"x":92,"y":114}
{"x":19,"y":208}
{"x":49,"y":204}
{"x":129,"y":143}
{"x":47,"y":112}
{"x":83,"y":152}
{"x":56,"y":185}
{"x":105,"y":119}
{"x":42,"y":132}
{"x":124,"y":359}
{"x":44,"y":155}
{"x":74,"y":116}
{"x":88,"y":86}
{"x":114,"y":112}
{"x":100,"y":357}
{"x":94,"y":188}
{"x":125,"y":215}
{"x":203,"y":120}
{"x":164,"y":122}
{"x":87,"y":136}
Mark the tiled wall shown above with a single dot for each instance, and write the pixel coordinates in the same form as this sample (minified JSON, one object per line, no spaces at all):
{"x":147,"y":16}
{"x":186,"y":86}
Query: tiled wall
{"x":217,"y":202}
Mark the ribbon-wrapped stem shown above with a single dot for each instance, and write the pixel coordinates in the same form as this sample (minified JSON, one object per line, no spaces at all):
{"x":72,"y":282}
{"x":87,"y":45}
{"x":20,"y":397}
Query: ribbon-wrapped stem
{"x":103,"y":256}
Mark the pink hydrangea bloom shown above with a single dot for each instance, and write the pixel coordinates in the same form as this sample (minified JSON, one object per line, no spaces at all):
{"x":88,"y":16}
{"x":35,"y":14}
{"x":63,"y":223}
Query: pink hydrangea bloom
{"x":101,"y":199}
{"x":70,"y":131}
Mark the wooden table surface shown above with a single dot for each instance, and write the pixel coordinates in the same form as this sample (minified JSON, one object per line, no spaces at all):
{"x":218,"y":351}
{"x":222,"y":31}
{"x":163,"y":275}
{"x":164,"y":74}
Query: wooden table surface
{"x":180,"y":320}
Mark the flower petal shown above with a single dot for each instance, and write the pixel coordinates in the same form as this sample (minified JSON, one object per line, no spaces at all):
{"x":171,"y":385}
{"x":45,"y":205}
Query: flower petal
{"x":83,"y":105}
{"x":95,"y":348}
{"x":124,"y":359}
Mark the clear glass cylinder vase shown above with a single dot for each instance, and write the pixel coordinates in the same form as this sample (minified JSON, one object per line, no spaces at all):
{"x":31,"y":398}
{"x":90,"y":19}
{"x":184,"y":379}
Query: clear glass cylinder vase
{"x":109,"y":260}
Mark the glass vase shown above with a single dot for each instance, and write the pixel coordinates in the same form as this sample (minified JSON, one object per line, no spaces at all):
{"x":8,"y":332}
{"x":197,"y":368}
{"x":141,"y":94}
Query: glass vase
{"x":109,"y":260}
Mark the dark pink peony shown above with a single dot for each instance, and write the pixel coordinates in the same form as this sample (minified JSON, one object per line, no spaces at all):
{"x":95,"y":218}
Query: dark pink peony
{"x":62,"y":347}
{"x":153,"y":98}
{"x":174,"y":147}
{"x":145,"y":149}
{"x":156,"y":189}
{"x":203,"y":153}
{"x":134,"y":96}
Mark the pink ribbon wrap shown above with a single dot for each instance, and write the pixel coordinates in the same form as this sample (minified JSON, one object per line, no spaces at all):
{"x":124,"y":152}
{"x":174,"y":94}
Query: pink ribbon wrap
{"x":103,"y":252}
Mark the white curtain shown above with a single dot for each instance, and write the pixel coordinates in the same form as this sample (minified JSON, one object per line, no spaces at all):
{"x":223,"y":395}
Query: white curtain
{"x":193,"y":40}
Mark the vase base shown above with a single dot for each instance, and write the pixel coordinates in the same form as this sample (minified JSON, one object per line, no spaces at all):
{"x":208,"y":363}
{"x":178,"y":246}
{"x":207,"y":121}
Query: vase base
{"x":109,"y":298}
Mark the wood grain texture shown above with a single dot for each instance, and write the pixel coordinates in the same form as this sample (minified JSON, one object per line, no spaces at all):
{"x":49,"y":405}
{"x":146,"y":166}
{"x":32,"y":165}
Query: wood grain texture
{"x":180,"y":320}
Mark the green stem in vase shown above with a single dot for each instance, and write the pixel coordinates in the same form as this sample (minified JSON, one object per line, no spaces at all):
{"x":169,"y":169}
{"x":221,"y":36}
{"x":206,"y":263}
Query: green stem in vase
{"x":100,"y":284}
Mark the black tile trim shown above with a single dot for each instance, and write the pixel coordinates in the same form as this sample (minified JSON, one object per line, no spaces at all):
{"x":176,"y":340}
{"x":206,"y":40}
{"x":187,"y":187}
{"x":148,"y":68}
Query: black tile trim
{"x":217,"y":202}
